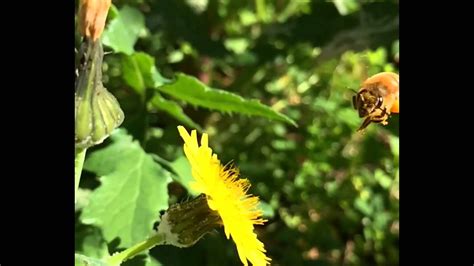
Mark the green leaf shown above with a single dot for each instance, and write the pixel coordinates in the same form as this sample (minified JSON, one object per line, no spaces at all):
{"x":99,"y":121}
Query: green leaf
{"x":237,"y":45}
{"x":396,"y":47}
{"x":182,"y":168}
{"x":132,"y":192}
{"x":346,"y":7}
{"x":90,"y":242}
{"x":81,"y":260}
{"x":383,"y":179}
{"x":175,"y":57}
{"x":82,"y":198}
{"x":173,"y":109}
{"x":267,"y":209}
{"x":113,"y":12}
{"x":395,"y":145}
{"x":349,"y":117}
{"x":150,"y":261}
{"x":181,"y":171}
{"x":123,"y":30}
{"x":193,"y":91}
{"x":261,"y":10}
{"x":139,"y":71}
{"x":363,"y":206}
{"x":142,"y":260}
{"x":377,"y":57}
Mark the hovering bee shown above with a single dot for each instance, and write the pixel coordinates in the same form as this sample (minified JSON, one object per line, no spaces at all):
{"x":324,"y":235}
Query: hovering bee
{"x":377,"y":98}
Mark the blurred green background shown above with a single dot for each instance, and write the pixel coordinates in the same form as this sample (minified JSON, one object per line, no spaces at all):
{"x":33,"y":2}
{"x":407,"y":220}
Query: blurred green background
{"x":330,"y":194}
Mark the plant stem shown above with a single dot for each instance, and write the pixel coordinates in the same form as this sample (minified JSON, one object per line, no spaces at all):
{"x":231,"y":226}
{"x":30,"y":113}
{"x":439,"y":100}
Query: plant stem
{"x":120,"y":257}
{"x":79,"y":162}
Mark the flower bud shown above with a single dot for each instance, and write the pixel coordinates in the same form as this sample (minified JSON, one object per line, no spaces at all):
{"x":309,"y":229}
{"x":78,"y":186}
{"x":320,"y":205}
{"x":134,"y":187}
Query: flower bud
{"x":98,"y":112}
{"x":92,"y":16}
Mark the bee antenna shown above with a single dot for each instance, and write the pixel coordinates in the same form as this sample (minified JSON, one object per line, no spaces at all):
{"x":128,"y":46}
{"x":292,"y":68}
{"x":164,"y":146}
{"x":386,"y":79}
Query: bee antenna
{"x":353,"y":91}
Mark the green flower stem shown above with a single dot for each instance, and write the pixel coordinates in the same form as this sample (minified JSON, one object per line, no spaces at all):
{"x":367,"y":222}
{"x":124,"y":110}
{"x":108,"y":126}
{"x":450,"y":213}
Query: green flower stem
{"x":120,"y":257}
{"x":79,"y":162}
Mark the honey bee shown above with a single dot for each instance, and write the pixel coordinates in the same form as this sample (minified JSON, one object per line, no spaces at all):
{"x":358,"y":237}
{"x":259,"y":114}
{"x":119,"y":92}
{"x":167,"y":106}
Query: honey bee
{"x":377,"y":98}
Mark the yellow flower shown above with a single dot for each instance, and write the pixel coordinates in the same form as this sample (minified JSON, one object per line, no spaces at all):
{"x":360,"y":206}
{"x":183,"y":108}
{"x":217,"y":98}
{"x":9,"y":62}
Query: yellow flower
{"x":226,"y":194}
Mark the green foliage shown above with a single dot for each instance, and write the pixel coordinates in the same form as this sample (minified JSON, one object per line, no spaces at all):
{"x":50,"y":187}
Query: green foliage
{"x":346,"y":6}
{"x":89,"y":241}
{"x":81,"y":260}
{"x":183,"y":173}
{"x":193,"y":91}
{"x":124,"y":30}
{"x":140,"y":72}
{"x":331,"y":195}
{"x":173,"y":109}
{"x":132,"y":192}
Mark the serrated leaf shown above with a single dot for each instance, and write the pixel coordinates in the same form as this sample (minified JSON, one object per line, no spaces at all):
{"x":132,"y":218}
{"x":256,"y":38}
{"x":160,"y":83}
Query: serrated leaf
{"x":193,"y":91}
{"x":132,"y":192}
{"x":81,"y":260}
{"x":139,"y":71}
{"x":173,"y":109}
{"x":123,"y":31}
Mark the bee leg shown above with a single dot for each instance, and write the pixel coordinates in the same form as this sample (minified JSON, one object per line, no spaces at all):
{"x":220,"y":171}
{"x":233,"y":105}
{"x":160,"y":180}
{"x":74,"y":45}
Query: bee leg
{"x":382,"y":118}
{"x":366,"y":122}
{"x":379,"y":120}
{"x":354,"y":102}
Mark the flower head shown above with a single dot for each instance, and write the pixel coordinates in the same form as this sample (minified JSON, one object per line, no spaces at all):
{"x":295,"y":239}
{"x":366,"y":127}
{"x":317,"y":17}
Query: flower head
{"x":183,"y":224}
{"x":227,"y":195}
{"x":92,"y":16}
